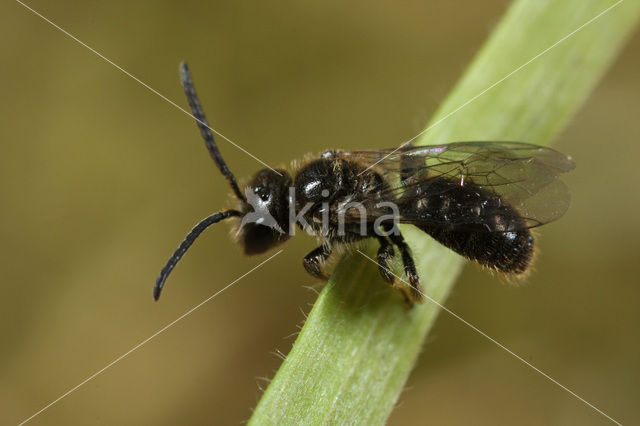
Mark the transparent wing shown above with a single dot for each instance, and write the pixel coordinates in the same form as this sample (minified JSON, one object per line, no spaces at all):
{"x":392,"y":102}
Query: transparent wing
{"x":492,"y":186}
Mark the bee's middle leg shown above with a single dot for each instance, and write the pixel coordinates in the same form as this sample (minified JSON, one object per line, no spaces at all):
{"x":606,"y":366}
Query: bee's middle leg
{"x":386,"y":253}
{"x":409,"y":264}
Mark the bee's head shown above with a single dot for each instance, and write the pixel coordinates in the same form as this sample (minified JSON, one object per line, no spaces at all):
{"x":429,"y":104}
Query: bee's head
{"x":265,"y":211}
{"x":264,"y":208}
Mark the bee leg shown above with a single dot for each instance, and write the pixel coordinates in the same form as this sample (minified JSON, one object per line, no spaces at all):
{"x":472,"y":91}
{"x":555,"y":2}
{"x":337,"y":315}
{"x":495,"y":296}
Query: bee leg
{"x":409,"y":265}
{"x":315,"y":259}
{"x":386,"y":253}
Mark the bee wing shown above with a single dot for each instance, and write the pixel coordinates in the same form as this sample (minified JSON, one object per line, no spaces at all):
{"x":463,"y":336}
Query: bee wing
{"x":492,"y":186}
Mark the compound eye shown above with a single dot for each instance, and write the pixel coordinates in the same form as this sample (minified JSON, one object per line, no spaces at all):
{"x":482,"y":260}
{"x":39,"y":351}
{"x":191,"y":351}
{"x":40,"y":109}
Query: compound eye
{"x":262,"y":192}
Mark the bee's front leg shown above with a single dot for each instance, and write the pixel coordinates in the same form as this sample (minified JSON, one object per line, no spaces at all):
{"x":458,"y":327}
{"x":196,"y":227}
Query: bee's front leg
{"x":314,"y":261}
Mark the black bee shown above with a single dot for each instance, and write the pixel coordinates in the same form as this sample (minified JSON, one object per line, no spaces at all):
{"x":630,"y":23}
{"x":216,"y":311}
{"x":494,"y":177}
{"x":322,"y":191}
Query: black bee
{"x":480,"y":199}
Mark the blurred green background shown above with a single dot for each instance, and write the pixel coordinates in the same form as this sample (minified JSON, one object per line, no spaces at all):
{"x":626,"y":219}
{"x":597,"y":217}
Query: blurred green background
{"x":100,"y":179}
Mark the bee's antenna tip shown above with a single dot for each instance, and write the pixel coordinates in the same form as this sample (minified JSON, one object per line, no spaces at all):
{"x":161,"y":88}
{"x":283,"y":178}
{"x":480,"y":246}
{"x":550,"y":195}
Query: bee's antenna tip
{"x":156,"y":292}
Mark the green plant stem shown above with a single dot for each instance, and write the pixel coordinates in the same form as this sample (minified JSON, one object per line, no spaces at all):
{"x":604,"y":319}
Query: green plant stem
{"x":358,"y":345}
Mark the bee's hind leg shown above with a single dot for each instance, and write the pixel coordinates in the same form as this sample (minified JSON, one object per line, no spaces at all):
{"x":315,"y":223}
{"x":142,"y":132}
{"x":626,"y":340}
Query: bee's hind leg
{"x":386,"y":253}
{"x":409,"y":265}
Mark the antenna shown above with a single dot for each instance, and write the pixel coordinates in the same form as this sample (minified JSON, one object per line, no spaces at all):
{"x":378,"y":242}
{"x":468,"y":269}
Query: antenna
{"x":184,"y":246}
{"x":205,"y":130}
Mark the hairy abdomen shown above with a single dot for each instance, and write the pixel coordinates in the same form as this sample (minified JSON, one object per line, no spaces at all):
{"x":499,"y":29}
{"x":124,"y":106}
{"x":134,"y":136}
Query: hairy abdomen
{"x":441,"y":200}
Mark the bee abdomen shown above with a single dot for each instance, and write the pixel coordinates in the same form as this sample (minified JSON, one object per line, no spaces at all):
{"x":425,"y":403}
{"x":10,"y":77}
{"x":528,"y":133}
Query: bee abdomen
{"x":493,"y":236}
{"x":509,"y":252}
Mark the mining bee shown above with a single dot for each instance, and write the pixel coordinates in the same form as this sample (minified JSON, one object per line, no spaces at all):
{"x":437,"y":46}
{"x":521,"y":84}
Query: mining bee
{"x":480,"y":199}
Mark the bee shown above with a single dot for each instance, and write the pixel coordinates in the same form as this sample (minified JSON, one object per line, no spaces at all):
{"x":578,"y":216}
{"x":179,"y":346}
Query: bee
{"x":479,"y":199}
